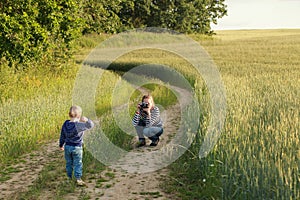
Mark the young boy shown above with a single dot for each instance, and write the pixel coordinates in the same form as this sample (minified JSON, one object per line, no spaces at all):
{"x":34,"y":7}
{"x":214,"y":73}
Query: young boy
{"x":71,"y":141}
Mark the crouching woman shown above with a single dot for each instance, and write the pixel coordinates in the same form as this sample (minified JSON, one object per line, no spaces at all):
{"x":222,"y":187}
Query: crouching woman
{"x":147,"y":121}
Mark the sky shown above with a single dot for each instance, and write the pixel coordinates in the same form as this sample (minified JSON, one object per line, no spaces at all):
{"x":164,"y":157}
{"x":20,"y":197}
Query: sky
{"x":260,"y":14}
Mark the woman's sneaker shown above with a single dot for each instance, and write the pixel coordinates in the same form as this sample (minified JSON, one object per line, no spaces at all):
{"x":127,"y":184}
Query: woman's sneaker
{"x":141,"y":143}
{"x":154,"y":142}
{"x":80,"y":182}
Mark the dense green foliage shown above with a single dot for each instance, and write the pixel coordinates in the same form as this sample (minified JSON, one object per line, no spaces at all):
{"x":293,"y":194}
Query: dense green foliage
{"x":34,"y":30}
{"x":186,"y":16}
{"x":102,"y":16}
{"x":180,"y":15}
{"x":30,"y":29}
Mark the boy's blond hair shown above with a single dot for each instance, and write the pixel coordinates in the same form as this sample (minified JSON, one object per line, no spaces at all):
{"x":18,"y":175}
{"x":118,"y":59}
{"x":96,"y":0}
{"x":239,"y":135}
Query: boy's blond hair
{"x":75,"y":112}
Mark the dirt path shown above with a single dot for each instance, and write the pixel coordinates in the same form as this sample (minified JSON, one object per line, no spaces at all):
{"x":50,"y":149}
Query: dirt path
{"x":112,"y":183}
{"x":130,"y":183}
{"x":28,"y":170}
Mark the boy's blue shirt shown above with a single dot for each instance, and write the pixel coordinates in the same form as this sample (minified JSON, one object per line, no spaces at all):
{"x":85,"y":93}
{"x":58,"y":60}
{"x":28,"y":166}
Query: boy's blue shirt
{"x":72,"y":132}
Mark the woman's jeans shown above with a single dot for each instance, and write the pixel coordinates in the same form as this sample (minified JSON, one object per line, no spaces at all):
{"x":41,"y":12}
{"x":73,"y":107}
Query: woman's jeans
{"x":73,"y":156}
{"x":152,"y":133}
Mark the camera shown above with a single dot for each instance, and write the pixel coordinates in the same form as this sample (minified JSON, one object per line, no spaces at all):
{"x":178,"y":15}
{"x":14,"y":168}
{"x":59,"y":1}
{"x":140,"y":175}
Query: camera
{"x":144,"y":105}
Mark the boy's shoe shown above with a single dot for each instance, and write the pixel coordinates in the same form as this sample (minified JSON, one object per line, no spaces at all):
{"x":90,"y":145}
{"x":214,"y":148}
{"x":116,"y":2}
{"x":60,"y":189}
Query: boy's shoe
{"x":154,"y":143}
{"x":141,"y":143}
{"x":80,"y":182}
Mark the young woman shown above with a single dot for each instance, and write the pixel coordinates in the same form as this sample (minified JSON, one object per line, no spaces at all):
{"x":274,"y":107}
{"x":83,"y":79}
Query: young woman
{"x":147,"y":121}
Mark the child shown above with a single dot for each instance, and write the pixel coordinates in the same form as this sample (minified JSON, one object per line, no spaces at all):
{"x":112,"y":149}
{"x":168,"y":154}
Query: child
{"x":71,"y":141}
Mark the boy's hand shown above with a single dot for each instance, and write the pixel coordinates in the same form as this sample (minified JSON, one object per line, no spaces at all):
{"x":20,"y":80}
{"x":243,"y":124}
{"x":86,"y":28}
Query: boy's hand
{"x":61,"y":148}
{"x":83,"y":119}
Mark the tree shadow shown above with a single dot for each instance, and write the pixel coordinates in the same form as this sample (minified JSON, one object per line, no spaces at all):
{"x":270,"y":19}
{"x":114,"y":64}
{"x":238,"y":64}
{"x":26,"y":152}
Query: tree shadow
{"x":132,"y":70}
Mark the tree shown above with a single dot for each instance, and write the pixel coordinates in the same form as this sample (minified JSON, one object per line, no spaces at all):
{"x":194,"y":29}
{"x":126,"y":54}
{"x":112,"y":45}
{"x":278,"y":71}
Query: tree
{"x":187,"y":16}
{"x":135,"y":14}
{"x":30,"y":28}
{"x":101,"y":16}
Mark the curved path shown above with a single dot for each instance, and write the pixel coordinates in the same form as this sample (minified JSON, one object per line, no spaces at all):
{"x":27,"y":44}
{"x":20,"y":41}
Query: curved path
{"x":119,"y":183}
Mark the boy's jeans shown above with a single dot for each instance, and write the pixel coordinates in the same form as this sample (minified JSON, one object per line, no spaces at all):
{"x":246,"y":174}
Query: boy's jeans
{"x":73,"y":156}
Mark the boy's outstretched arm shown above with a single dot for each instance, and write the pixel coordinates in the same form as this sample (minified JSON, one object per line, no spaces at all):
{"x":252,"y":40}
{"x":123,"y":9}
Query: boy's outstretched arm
{"x":62,"y":140}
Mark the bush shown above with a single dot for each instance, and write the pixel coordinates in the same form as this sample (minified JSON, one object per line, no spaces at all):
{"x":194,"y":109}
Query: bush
{"x":31,"y":29}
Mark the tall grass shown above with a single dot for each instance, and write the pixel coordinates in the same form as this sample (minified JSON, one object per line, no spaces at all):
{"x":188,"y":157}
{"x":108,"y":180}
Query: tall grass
{"x":31,"y":113}
{"x":35,"y":101}
{"x":257,"y":156}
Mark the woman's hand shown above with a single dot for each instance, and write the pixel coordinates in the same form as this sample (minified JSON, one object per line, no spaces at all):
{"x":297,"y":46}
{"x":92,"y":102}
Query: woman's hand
{"x":147,"y":110}
{"x":138,"y":108}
